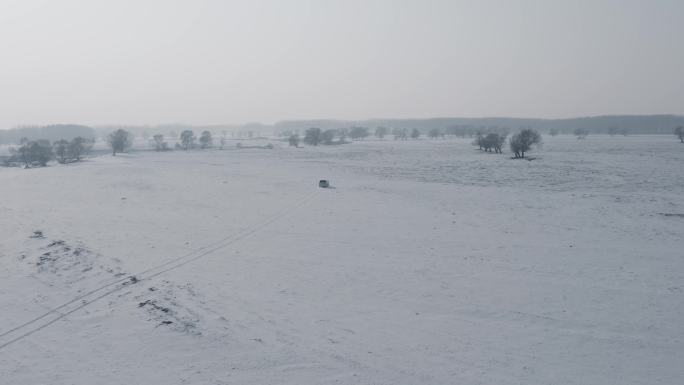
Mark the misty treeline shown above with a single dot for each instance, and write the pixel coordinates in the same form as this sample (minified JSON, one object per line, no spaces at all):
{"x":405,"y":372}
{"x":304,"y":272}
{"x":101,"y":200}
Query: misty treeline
{"x":488,"y":139}
{"x":37,"y":153}
{"x":320,"y":136}
{"x":463,"y":127}
{"x":468,"y":127}
{"x":581,"y":133}
{"x":121,"y":139}
{"x":188,"y":140}
{"x":51,"y":133}
{"x":316,"y":136}
{"x":330,"y":136}
{"x":173,"y":131}
{"x":491,"y":141}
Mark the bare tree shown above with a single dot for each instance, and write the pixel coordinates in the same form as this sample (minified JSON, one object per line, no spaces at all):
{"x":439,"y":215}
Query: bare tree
{"x":479,"y":140}
{"x":312,"y":136}
{"x":328,"y":136}
{"x":61,"y":149}
{"x":205,"y":139}
{"x":79,"y":146}
{"x":187,"y":139}
{"x":159,"y":143}
{"x":71,"y":151}
{"x":679,"y":131}
{"x":496,"y":141}
{"x":500,"y":143}
{"x":358,"y":133}
{"x":581,"y":133}
{"x":293,"y":140}
{"x":523,"y":141}
{"x":435,"y":133}
{"x":120,"y":140}
{"x":400,"y":133}
{"x":492,"y":141}
{"x":342,"y":133}
{"x":381,"y":131}
{"x":36,"y":152}
{"x":415,"y":134}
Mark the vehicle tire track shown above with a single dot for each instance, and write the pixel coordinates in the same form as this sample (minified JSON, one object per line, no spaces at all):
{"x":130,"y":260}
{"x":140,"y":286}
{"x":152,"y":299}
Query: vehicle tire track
{"x":55,"y":314}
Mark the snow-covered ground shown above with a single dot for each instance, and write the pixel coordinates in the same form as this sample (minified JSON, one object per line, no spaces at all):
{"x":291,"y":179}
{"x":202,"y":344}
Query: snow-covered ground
{"x":427,"y":263}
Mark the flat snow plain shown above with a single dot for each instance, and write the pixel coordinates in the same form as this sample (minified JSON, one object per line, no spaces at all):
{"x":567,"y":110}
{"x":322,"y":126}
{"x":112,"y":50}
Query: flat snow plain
{"x":427,"y":263}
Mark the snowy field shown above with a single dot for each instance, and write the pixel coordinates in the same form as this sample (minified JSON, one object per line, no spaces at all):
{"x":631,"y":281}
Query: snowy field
{"x":428,"y":263}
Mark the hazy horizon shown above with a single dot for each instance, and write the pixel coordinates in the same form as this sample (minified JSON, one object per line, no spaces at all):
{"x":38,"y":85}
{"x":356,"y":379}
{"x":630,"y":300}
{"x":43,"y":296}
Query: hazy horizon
{"x":213,"y":62}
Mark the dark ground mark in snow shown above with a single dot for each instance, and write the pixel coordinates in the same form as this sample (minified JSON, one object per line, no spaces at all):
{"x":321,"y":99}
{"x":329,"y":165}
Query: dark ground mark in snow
{"x":70,"y":262}
{"x":672,"y":215}
{"x":74,"y":266}
{"x":169,"y":305}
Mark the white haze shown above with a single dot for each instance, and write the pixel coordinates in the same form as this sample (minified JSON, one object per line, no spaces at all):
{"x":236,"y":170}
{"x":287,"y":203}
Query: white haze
{"x":137,"y":62}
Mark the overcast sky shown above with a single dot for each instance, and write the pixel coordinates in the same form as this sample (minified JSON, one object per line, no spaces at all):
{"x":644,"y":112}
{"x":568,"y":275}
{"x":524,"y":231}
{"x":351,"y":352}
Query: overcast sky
{"x":202,"y":62}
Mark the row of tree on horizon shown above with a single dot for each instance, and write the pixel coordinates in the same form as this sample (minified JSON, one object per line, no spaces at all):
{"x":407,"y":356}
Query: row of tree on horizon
{"x":612,"y":125}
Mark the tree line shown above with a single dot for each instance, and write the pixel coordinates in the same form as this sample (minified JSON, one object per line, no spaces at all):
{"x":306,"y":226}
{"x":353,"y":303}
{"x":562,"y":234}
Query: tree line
{"x":37,"y":153}
{"x":120,"y":140}
{"x":315,"y":136}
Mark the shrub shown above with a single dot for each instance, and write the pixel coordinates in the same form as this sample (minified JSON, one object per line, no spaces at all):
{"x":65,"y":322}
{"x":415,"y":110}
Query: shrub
{"x":523,"y":141}
{"x":492,"y":141}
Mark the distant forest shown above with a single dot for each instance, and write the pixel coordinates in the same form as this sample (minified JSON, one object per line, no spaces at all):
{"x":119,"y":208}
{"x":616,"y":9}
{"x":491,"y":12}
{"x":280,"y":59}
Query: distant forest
{"x":624,"y":124}
{"x":630,"y":124}
{"x":52,"y":133}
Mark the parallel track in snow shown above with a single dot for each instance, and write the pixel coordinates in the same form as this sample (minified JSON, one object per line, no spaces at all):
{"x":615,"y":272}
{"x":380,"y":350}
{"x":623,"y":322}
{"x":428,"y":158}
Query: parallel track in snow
{"x":55,"y":314}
